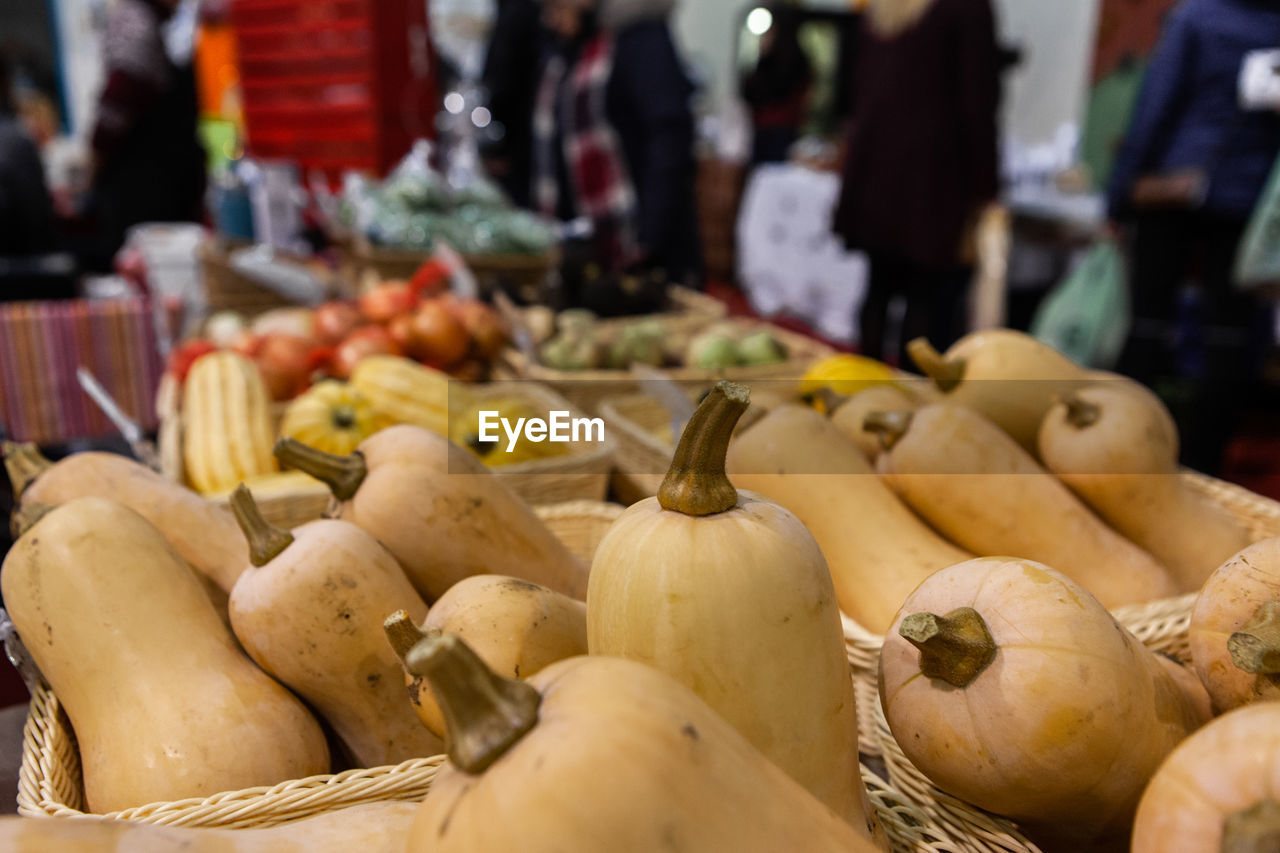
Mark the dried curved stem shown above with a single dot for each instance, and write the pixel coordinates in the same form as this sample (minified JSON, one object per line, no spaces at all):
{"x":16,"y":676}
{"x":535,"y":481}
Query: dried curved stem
{"x":954,"y":648}
{"x":945,"y":372}
{"x":402,"y":634}
{"x":24,"y":463}
{"x":890,"y":427}
{"x":342,"y":474}
{"x":265,"y":542}
{"x":485,"y":714}
{"x":1255,"y":648}
{"x":696,"y":483}
{"x":1081,"y":414}
{"x":1253,"y":830}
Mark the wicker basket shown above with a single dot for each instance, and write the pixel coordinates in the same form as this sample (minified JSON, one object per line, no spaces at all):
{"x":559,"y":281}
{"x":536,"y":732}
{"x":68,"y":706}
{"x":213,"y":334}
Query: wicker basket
{"x":589,"y":388}
{"x":1162,"y":625}
{"x":227,"y":289}
{"x":582,"y":474}
{"x":916,"y":817}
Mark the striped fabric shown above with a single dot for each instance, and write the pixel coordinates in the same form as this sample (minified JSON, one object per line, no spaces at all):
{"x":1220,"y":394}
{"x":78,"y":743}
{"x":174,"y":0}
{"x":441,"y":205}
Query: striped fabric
{"x":42,"y":344}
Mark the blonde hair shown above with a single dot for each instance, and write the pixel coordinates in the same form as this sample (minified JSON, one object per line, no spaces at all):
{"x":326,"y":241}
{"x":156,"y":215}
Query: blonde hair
{"x":891,"y":17}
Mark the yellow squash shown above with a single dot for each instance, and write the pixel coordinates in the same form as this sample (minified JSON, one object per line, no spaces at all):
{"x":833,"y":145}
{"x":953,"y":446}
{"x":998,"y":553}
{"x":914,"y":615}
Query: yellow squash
{"x":228,"y":431}
{"x":164,"y":704}
{"x":408,"y":392}
{"x":465,"y":432}
{"x":333,"y":417}
{"x":598,"y":753}
{"x":729,"y":594}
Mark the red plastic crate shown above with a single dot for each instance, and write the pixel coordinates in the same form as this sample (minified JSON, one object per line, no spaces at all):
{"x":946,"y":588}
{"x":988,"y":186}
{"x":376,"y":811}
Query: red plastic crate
{"x":335,"y":84}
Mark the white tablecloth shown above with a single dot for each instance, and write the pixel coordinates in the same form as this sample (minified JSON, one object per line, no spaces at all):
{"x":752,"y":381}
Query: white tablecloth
{"x":789,"y":261}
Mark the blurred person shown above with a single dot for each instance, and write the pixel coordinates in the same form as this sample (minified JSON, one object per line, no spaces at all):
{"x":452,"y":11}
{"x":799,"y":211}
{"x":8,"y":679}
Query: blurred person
{"x":777,"y":89}
{"x":511,"y":79}
{"x":28,"y":224}
{"x":613,"y":134}
{"x":1189,"y":172}
{"x":921,"y":162}
{"x":147,"y":164}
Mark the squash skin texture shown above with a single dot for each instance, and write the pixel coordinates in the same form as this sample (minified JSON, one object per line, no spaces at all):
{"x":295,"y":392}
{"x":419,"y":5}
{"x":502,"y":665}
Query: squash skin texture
{"x":371,"y":828}
{"x":979,"y":489}
{"x":516,"y":627}
{"x":312,"y":618}
{"x":445,"y":517}
{"x":739,"y":607}
{"x":624,"y":759}
{"x":204,"y":533}
{"x":876,"y":549}
{"x":164,"y":704}
{"x":1230,"y":598}
{"x":1124,"y":466}
{"x":1065,"y":726}
{"x":1230,"y":765}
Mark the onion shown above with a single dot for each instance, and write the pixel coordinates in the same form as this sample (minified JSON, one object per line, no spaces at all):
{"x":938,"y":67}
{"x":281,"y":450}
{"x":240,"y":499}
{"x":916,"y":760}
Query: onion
{"x":437,"y":337}
{"x":360,"y":344}
{"x":335,"y":320}
{"x":285,"y":364}
{"x":487,"y":330}
{"x":386,"y":301}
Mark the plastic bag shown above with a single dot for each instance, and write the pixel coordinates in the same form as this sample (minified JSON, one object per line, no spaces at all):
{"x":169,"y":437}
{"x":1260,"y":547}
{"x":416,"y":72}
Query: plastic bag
{"x":1258,"y":260}
{"x":1086,"y":317}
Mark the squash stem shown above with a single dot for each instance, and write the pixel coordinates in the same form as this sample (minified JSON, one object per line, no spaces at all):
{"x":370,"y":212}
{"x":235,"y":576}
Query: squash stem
{"x":830,"y":399}
{"x":1255,"y":648}
{"x":945,"y":372}
{"x":1081,"y":414}
{"x":953,"y":648}
{"x":484,"y":713}
{"x":265,"y":542}
{"x":1253,"y":830}
{"x":402,"y":634}
{"x":26,"y":515}
{"x":696,"y":484}
{"x":24,"y":463}
{"x":890,"y":427}
{"x":342,"y":474}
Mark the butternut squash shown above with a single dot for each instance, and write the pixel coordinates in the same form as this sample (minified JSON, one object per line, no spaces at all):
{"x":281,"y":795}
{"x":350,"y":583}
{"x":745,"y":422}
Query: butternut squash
{"x":729,"y":594}
{"x":1010,"y":687}
{"x":309,"y":612}
{"x":516,"y":627}
{"x":848,"y":415}
{"x":370,"y":828}
{"x":1216,"y":793}
{"x":203,"y":533}
{"x":1235,"y":628}
{"x":225,"y":410}
{"x":598,"y":753}
{"x":439,"y":511}
{"x":1116,"y":446}
{"x":163,"y":702}
{"x":876,"y":549}
{"x":976,"y":486}
{"x":1008,"y":377}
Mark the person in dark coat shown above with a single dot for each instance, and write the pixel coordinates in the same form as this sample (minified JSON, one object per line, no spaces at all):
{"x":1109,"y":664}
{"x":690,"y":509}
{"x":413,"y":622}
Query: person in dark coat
{"x":511,"y":80}
{"x":28,"y":223}
{"x":777,"y":89}
{"x":921,"y":161}
{"x":1209,"y":159}
{"x":614,"y":132}
{"x":148,"y":165}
